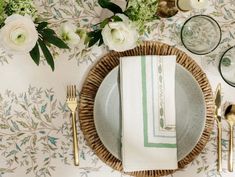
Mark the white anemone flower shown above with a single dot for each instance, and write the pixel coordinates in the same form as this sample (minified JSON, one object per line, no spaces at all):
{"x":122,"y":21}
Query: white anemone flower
{"x":69,"y":35}
{"x":120,"y":35}
{"x":19,"y":34}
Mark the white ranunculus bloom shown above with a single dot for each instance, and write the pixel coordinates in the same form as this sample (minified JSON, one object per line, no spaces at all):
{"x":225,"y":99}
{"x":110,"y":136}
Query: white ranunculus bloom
{"x":69,"y":35}
{"x":121,"y":35}
{"x":19,"y":34}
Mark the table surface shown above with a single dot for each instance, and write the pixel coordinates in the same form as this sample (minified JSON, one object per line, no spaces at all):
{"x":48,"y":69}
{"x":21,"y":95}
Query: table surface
{"x":35,"y":136}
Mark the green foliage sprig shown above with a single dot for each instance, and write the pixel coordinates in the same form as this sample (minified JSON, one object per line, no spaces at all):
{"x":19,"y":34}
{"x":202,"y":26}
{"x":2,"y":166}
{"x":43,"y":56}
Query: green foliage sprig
{"x":47,"y":37}
{"x":138,"y":11}
{"x":142,"y":12}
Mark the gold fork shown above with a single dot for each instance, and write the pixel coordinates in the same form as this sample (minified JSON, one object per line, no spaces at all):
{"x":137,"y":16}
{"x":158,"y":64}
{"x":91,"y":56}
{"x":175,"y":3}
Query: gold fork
{"x":72,"y":104}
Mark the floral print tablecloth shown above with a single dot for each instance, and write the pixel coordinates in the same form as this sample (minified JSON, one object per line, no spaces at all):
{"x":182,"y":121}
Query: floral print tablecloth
{"x":35,"y":129}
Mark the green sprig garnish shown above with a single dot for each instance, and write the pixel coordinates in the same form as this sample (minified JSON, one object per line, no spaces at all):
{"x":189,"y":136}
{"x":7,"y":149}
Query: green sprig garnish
{"x":47,"y":37}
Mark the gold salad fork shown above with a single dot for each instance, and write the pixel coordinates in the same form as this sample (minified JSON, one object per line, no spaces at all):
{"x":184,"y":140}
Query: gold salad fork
{"x":72,"y":104}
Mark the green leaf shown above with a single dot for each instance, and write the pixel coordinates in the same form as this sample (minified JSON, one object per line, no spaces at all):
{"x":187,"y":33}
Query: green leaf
{"x":92,"y":33}
{"x":199,"y":169}
{"x":20,"y":134}
{"x":49,"y":36}
{"x":104,"y":23}
{"x":52,"y":140}
{"x":35,"y":54}
{"x":25,"y":140}
{"x":28,"y":170}
{"x":13,"y":152}
{"x":42,"y":132}
{"x":116,"y":19}
{"x":17,"y":147}
{"x":15,"y":125}
{"x":34,"y":140}
{"x":49,"y":31}
{"x":35,"y":113}
{"x":47,"y":54}
{"x":43,"y":108}
{"x":101,"y":42}
{"x":58,"y":13}
{"x":95,"y":36}
{"x":109,"y":5}
{"x":4,"y":126}
{"x":23,"y":124}
{"x":23,"y":106}
{"x":47,"y":117}
{"x":46,"y":159}
{"x":55,"y":41}
{"x":42,"y":25}
{"x":83,"y":155}
{"x":93,"y":41}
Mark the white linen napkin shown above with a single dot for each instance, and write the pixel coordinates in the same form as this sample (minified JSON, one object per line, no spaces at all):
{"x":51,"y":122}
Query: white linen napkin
{"x":148,"y":112}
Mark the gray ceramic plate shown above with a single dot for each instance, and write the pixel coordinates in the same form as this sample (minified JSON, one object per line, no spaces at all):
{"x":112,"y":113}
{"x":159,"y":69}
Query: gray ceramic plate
{"x":190,"y":112}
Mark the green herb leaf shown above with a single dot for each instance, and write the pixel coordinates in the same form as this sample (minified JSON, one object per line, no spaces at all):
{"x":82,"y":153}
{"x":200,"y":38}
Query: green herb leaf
{"x":35,"y":54}
{"x":47,"y":54}
{"x":109,"y":5}
{"x":101,"y":42}
{"x":104,"y":23}
{"x":94,"y":36}
{"x":49,"y":36}
{"x":52,"y":140}
{"x":116,"y":18}
{"x":93,"y":41}
{"x":49,"y":31}
{"x":42,"y":25}
{"x":55,"y":41}
{"x":92,"y":33}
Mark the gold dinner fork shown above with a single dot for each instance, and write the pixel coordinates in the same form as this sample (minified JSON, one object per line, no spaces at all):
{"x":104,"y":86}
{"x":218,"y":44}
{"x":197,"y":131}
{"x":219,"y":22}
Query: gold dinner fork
{"x":72,"y":104}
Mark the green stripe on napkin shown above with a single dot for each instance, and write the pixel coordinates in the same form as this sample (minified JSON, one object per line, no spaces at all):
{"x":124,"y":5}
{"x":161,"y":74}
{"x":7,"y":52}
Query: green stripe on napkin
{"x":145,"y":111}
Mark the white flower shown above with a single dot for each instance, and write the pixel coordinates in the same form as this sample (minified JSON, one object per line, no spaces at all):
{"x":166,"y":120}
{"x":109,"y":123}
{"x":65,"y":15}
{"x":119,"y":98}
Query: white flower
{"x":69,"y":35}
{"x":19,"y":34}
{"x":121,"y":35}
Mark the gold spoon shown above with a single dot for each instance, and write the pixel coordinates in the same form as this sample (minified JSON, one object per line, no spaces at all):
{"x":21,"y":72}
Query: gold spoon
{"x":230,"y":117}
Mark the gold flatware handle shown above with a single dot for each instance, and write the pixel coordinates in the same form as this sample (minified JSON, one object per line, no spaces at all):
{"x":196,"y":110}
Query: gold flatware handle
{"x":219,"y":147}
{"x":75,"y":140}
{"x":230,"y":164}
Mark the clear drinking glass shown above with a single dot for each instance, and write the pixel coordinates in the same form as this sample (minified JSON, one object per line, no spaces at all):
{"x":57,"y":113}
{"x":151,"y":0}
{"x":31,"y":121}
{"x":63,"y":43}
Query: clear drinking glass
{"x":227,"y":66}
{"x":201,"y":34}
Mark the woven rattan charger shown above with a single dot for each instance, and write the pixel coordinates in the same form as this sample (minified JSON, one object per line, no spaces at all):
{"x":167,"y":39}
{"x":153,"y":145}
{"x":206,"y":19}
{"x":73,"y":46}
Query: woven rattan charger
{"x":100,"y":71}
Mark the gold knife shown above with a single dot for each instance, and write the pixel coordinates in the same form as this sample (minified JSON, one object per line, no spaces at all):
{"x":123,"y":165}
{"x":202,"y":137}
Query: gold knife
{"x":218,"y":118}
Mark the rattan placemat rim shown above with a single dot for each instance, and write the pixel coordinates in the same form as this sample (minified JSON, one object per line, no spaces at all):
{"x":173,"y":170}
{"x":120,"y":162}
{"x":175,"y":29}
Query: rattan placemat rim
{"x":110,"y":61}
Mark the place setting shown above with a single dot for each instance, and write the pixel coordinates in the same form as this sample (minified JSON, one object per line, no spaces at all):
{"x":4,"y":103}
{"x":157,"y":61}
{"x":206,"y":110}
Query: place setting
{"x":115,"y":100}
{"x":100,"y":114}
{"x":115,"y":103}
